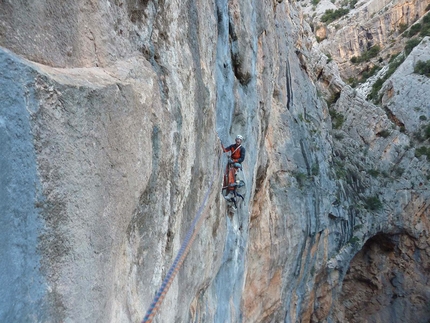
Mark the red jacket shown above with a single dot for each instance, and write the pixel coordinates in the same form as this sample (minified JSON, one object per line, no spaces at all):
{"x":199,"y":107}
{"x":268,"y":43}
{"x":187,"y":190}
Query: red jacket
{"x":237,"y":153}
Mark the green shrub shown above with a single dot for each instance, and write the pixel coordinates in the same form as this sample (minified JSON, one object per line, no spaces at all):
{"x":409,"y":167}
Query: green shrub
{"x":427,"y":132}
{"x":402,"y":28}
{"x":315,"y":170}
{"x":415,"y":29}
{"x":373,"y":203}
{"x":331,"y":15}
{"x":367,"y":55}
{"x":398,"y":171}
{"x":422,"y":68}
{"x":373,"y":51}
{"x":393,"y":57}
{"x":410,"y":44}
{"x":422,"y":151}
{"x":333,"y":98}
{"x":384,"y":133}
{"x":338,"y":136}
{"x":352,"y":3}
{"x":418,"y":136}
{"x":373,"y":172}
{"x":336,"y":118}
{"x":373,"y":95}
{"x":300,"y":178}
{"x":425,"y":31}
{"x":315,"y":2}
{"x":398,"y":60}
{"x":426,"y":18}
{"x":353,"y":82}
{"x":354,"y":241}
{"x":394,"y":63}
{"x":368,"y":73}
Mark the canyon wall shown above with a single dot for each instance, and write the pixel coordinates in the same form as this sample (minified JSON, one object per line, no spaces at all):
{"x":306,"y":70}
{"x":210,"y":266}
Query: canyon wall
{"x":368,"y":23}
{"x":110,"y":126}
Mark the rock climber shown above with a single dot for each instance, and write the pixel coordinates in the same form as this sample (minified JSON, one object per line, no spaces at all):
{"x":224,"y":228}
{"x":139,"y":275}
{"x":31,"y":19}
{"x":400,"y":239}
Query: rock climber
{"x":237,"y":152}
{"x":237,"y":156}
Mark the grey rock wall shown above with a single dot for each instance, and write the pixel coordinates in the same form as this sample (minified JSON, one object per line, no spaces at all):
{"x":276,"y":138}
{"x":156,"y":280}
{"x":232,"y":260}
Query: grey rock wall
{"x":110,"y":122}
{"x":23,"y":291}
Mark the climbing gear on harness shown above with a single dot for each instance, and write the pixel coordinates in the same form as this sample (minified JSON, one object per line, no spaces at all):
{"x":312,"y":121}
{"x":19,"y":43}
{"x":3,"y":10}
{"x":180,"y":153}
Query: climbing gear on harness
{"x":231,"y":183}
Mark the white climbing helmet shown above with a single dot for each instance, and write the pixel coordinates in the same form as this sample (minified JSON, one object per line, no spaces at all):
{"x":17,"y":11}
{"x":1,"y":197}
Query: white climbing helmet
{"x":239,"y":137}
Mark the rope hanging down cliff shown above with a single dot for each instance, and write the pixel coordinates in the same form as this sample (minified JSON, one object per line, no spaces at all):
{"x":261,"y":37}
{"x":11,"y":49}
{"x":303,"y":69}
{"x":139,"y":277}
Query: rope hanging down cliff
{"x":180,"y":257}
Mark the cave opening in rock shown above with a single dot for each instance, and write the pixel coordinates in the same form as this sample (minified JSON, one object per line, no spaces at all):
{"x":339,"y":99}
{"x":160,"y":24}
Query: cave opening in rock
{"x":388,"y":281}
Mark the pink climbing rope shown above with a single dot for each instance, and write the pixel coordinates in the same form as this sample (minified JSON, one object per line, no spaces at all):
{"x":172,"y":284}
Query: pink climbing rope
{"x":180,"y":257}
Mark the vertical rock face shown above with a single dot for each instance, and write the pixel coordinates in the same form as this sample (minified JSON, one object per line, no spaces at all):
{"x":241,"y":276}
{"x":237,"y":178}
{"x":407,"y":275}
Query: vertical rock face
{"x":368,"y":23}
{"x":110,"y":124}
{"x":387,"y":281}
{"x":23,"y":285}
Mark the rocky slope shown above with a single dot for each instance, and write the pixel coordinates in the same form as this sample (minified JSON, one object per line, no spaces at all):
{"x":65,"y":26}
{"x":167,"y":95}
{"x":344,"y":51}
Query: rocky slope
{"x":360,"y":25}
{"x":109,"y":136}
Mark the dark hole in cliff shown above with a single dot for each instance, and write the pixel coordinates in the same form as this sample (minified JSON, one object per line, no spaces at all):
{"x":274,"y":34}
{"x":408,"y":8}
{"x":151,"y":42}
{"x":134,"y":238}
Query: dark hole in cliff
{"x":387,"y":281}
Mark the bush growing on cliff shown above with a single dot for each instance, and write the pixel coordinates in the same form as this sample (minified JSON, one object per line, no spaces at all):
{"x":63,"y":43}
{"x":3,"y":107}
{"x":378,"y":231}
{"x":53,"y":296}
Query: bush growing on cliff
{"x":337,"y":118}
{"x":373,"y":95}
{"x":315,"y":170}
{"x":395,"y":62}
{"x":373,"y":172}
{"x":372,"y":52}
{"x":425,"y":30}
{"x":300,"y":178}
{"x":367,"y":55}
{"x":423,"y":133}
{"x":415,"y":29}
{"x":398,"y":171}
{"x":368,"y":73}
{"x":373,"y":203}
{"x":349,"y":3}
{"x":331,"y":15}
{"x":422,"y":28}
{"x":427,"y":131}
{"x":354,"y":241}
{"x":352,"y":3}
{"x":422,"y":68}
{"x":402,"y":28}
{"x":353,"y":82}
{"x":384,"y":133}
{"x":423,"y":151}
{"x":410,"y":45}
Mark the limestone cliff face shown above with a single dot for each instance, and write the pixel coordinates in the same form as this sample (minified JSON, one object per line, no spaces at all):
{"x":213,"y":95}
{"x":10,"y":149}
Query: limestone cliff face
{"x":376,"y":146}
{"x":109,"y":126}
{"x":368,"y":23}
